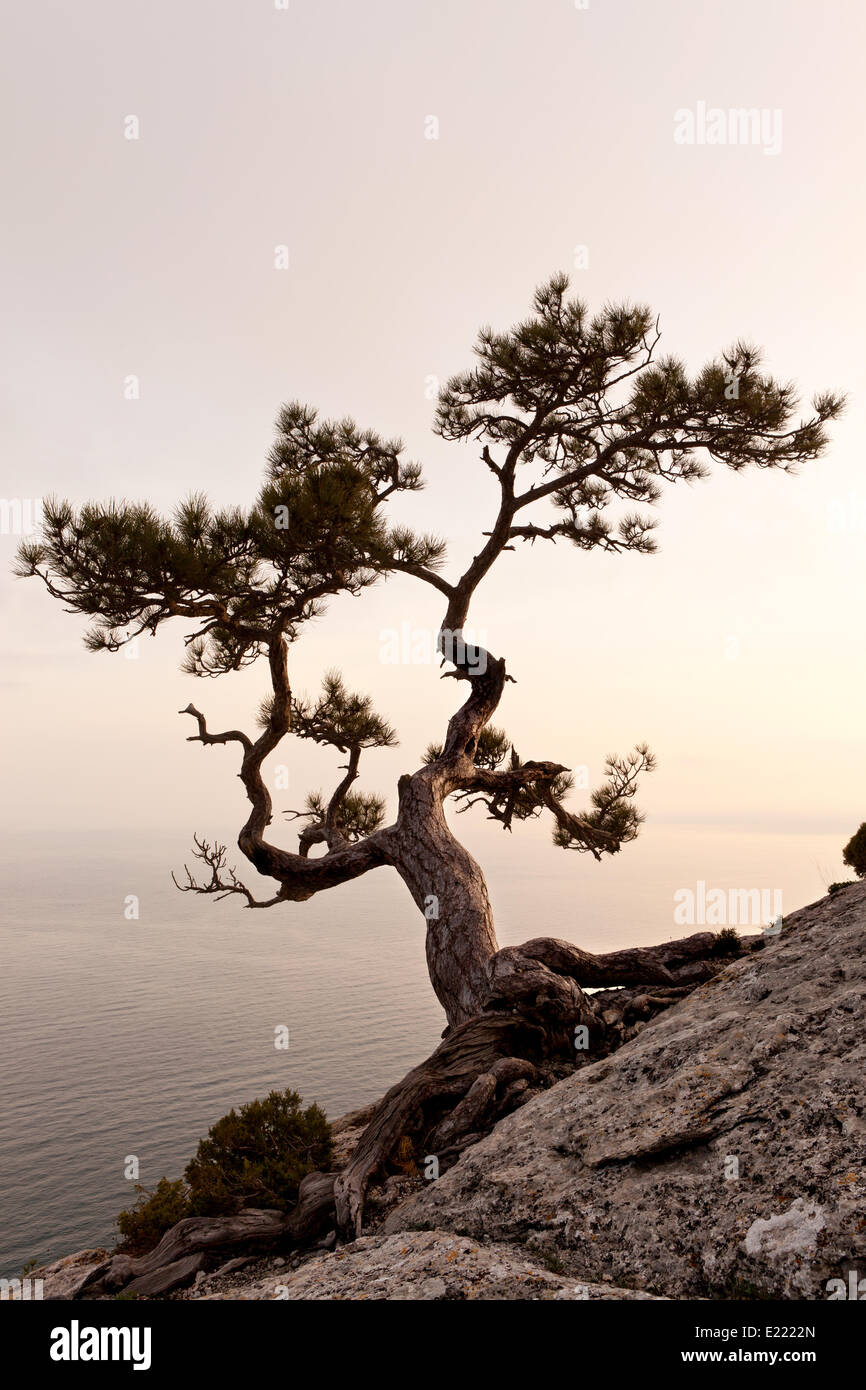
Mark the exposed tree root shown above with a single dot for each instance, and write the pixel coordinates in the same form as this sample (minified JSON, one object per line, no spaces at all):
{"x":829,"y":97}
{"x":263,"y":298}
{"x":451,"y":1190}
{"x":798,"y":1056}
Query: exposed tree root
{"x":215,"y":1238}
{"x":537,"y":1025}
{"x":445,"y":1081}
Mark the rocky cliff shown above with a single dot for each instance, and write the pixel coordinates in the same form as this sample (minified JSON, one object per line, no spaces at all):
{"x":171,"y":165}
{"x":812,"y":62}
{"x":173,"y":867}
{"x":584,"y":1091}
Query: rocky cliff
{"x":718,"y":1154}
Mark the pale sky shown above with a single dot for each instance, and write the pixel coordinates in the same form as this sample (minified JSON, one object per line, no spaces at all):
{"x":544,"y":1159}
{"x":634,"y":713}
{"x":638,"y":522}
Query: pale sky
{"x":737,"y":652}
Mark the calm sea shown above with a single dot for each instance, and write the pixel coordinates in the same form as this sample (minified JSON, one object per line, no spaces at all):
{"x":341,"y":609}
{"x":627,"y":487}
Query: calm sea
{"x":132,"y":1036}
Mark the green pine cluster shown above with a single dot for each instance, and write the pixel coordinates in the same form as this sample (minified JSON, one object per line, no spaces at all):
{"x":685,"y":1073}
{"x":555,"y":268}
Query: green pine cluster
{"x":255,"y":1157}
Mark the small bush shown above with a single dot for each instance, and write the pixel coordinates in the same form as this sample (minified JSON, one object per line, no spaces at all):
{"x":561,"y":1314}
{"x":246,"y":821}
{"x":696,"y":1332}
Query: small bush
{"x":835,"y":887}
{"x":854,"y":853}
{"x":257,"y":1156}
{"x":552,"y":1260}
{"x":727,"y":942}
{"x":144,"y":1224}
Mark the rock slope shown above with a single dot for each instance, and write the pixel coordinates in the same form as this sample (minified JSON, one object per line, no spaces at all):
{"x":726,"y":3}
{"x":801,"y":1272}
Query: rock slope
{"x":718,"y":1154}
{"x":413,"y":1265}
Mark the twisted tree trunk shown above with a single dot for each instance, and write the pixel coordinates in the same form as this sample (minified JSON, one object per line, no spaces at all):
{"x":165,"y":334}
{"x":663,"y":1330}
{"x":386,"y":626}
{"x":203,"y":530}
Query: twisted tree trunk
{"x":449,"y":888}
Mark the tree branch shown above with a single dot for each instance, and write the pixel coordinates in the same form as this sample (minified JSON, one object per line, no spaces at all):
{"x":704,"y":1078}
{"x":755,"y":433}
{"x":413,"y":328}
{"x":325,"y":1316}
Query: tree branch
{"x":214,"y":856}
{"x":231,"y":736}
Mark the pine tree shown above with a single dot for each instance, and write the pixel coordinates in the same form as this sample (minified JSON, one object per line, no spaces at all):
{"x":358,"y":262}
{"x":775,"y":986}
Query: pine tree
{"x":580,"y":422}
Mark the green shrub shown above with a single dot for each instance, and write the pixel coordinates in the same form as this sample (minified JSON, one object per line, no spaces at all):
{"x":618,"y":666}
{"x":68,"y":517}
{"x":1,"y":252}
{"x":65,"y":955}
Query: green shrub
{"x":727,"y":942}
{"x":854,"y":853}
{"x":258,"y":1155}
{"x":154,"y":1213}
{"x":835,"y":887}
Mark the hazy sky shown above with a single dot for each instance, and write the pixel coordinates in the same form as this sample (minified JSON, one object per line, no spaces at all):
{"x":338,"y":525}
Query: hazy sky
{"x":737,"y":652}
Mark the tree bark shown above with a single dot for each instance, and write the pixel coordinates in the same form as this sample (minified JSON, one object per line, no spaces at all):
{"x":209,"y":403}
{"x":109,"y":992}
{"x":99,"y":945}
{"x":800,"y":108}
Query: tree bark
{"x":443,"y":878}
{"x":449,"y":888}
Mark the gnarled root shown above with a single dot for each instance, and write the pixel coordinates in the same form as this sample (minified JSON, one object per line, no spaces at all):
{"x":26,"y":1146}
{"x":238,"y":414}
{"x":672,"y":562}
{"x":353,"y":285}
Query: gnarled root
{"x":444,"y":1082}
{"x":535,"y":1025}
{"x":199,"y":1242}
